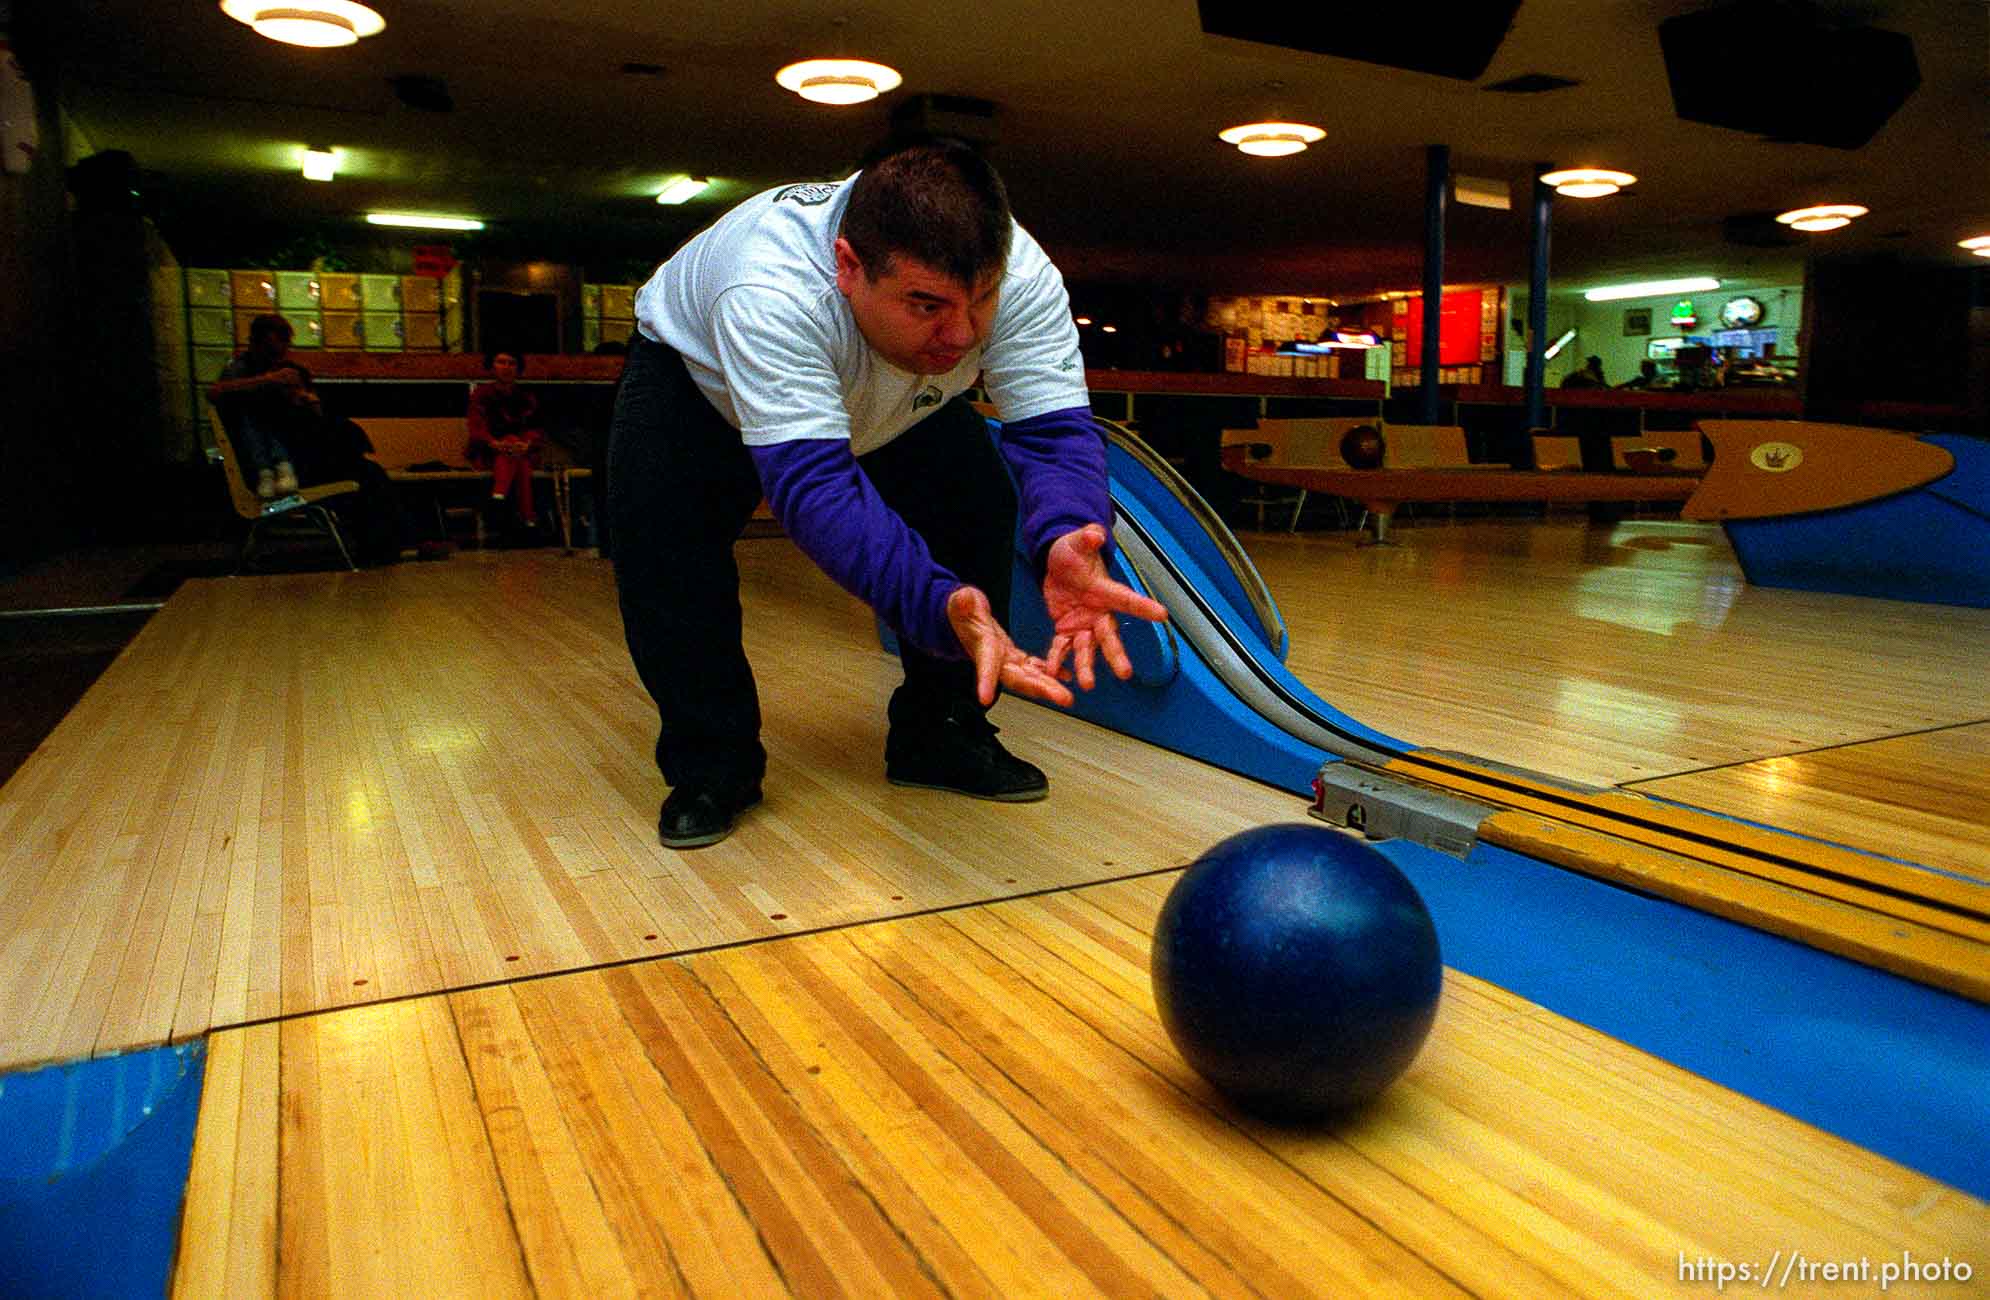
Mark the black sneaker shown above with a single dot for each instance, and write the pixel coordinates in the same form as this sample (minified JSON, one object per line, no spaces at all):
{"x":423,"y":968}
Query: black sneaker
{"x":961,"y":755}
{"x":694,"y":816}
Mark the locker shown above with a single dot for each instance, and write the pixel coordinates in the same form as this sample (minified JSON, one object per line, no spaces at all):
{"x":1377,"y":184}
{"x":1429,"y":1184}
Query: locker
{"x":307,"y":329}
{"x":421,"y":293}
{"x":211,"y":327}
{"x":422,"y":329}
{"x":243,"y":317}
{"x":380,"y":292}
{"x":381,"y":331}
{"x":296,"y":289}
{"x":616,"y":331}
{"x":252,"y":289}
{"x":207,"y":364}
{"x":590,"y":300}
{"x":342,"y":329}
{"x":618,"y":302}
{"x":338,"y":291}
{"x":590,"y":333}
{"x":208,"y":288}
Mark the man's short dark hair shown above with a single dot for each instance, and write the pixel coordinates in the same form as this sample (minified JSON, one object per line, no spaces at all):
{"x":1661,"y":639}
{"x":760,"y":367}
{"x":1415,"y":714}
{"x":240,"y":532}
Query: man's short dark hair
{"x":263,"y":327}
{"x":490,"y":358}
{"x":937,"y":202}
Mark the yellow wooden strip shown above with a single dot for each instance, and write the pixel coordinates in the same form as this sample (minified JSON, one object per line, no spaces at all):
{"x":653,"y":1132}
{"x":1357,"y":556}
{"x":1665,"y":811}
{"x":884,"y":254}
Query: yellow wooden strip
{"x":1606,"y":813}
{"x":1920,"y":953}
{"x":227,"y":1243}
{"x":1924,"y":796}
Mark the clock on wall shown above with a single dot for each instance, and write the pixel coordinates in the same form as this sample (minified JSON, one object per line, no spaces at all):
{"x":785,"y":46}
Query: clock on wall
{"x":1742,"y":313}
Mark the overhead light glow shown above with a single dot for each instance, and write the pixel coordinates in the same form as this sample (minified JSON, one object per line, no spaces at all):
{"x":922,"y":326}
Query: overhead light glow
{"x":1825,"y":216}
{"x":1083,"y":320}
{"x":1653,"y":288}
{"x":320,"y":164}
{"x":317,"y":24}
{"x":1976,"y":244}
{"x":1568,"y":337}
{"x":1272,"y":139}
{"x":1587,"y":182}
{"x":682,"y":189}
{"x":838,"y":81}
{"x":423,"y":221}
{"x":1108,"y":329}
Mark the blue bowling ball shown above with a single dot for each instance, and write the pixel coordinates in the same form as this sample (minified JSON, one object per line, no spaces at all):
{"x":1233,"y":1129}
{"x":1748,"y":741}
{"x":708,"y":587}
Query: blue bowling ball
{"x":1297,"y":970}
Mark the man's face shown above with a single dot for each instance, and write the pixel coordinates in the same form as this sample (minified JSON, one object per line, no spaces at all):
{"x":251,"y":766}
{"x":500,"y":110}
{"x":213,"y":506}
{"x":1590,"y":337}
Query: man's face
{"x":915,"y":317}
{"x":274,"y":345}
{"x":505,"y":367}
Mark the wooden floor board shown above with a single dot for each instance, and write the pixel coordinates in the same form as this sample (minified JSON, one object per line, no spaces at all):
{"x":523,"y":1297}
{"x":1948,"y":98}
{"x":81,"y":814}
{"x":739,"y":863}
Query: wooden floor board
{"x":311,"y":791}
{"x":1925,"y":797}
{"x":980,"y":1102}
{"x":1609,"y":653}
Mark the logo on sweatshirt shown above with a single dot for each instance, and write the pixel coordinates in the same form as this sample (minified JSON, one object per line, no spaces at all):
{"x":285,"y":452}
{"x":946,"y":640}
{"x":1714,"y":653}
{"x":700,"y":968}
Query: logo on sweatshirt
{"x":930,"y":395}
{"x":808,"y":195}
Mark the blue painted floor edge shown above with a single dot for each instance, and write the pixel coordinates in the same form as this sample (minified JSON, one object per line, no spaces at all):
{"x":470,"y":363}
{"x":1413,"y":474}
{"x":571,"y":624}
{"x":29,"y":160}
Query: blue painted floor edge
{"x":1896,"y":1067}
{"x":94,"y":1171}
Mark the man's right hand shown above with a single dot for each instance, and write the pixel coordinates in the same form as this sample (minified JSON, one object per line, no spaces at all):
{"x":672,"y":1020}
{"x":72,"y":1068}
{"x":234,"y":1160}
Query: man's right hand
{"x":997,"y":659}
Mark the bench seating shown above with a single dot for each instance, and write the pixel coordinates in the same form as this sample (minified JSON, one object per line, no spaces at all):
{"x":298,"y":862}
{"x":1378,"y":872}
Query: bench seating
{"x":400,"y":443}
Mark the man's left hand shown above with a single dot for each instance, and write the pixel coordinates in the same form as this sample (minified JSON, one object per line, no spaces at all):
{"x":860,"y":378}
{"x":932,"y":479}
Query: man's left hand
{"x":1082,"y":600}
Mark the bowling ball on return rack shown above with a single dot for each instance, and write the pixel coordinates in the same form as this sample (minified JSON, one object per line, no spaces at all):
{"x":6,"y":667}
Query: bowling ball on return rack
{"x":1362,"y":447}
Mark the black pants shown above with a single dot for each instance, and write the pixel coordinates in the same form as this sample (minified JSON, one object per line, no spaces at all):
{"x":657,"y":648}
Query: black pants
{"x":681,"y":487}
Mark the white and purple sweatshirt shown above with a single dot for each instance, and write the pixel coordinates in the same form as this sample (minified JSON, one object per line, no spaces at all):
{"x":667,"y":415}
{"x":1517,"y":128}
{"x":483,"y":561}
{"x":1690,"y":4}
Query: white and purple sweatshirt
{"x":751,"y":305}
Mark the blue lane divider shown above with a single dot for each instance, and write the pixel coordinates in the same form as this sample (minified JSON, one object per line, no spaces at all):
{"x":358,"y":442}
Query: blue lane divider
{"x":1896,"y":1067}
{"x":93,"y":1169}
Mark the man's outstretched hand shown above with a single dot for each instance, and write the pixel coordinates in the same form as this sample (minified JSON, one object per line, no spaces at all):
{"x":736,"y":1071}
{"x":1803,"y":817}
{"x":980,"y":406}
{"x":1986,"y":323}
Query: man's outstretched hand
{"x":996,"y":658}
{"x":1082,"y":601}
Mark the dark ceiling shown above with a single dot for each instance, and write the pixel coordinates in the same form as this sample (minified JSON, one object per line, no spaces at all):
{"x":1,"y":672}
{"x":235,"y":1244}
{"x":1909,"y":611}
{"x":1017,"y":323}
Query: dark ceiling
{"x":566,"y":118}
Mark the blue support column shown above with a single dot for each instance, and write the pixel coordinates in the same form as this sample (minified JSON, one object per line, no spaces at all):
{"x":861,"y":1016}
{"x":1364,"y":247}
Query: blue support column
{"x":1437,"y":179}
{"x":1537,"y":305}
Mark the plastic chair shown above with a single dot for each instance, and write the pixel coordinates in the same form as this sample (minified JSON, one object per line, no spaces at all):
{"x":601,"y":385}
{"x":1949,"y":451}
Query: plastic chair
{"x":301,"y":506}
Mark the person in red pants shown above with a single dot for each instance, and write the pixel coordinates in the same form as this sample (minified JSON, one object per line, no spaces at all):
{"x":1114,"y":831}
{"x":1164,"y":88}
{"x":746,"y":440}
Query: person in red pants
{"x":505,"y":436}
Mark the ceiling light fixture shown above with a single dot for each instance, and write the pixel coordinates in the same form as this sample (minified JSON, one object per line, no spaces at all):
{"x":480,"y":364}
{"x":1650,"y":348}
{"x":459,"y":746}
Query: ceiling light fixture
{"x":838,"y":81}
{"x":318,"y":24}
{"x":681,"y":189}
{"x":423,"y":221}
{"x":1653,"y":288}
{"x":320,"y":164}
{"x":1272,"y":139}
{"x":1825,"y":216}
{"x":1587,"y":182}
{"x":1979,"y":245}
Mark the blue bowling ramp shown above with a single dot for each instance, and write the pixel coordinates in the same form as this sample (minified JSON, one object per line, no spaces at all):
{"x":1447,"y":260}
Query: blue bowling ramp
{"x":93,"y":1169}
{"x":1212,"y":681}
{"x":1930,"y":544}
{"x":1851,"y":509}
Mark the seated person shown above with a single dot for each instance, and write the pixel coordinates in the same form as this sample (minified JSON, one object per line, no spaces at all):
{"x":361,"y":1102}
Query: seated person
{"x":505,"y":436}
{"x":266,"y":401}
{"x":1590,"y":376}
{"x":1647,"y":375}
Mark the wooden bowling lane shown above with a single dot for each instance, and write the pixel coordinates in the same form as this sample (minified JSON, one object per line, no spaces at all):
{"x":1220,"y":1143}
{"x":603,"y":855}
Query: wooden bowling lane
{"x":978,"y":1102}
{"x":299,"y":792}
{"x":1928,"y":793}
{"x":1618,"y":654}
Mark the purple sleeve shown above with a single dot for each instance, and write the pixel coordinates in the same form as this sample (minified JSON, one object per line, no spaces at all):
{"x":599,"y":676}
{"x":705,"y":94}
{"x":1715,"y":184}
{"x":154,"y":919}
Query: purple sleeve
{"x":1060,"y":463}
{"x":833,"y":513}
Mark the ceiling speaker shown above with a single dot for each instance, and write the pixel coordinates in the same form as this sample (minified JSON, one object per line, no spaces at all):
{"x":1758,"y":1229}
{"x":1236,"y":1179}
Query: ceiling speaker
{"x":1435,"y":36}
{"x":1780,"y":68}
